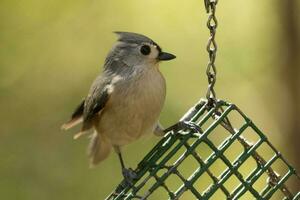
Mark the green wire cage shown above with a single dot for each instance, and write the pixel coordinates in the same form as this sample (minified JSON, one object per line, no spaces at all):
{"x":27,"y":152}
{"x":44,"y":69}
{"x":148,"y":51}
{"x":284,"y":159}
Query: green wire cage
{"x":239,"y":161}
{"x":227,"y":157}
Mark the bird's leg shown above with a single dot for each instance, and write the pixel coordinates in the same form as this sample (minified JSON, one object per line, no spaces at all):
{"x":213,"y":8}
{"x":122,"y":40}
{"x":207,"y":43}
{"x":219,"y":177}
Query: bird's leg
{"x":184,"y":125}
{"x":128,"y":173}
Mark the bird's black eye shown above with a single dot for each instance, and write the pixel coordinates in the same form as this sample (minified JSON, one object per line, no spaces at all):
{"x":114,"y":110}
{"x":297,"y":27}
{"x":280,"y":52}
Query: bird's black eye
{"x":145,"y":50}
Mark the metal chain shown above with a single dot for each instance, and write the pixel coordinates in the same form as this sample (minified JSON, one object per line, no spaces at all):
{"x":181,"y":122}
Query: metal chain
{"x":211,"y":73}
{"x":211,"y":48}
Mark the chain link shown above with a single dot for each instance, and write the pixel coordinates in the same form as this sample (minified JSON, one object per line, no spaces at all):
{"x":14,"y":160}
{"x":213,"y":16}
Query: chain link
{"x":211,"y":48}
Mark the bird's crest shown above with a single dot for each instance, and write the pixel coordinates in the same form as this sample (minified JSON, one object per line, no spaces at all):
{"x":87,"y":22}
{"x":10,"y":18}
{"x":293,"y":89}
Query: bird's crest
{"x":129,"y":37}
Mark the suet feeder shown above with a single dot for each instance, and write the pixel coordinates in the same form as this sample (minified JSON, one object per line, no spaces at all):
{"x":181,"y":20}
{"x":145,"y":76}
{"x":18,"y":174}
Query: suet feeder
{"x":229,"y":157}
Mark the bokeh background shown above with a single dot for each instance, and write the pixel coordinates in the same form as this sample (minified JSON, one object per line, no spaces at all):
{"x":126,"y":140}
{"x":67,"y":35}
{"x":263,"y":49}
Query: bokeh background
{"x":51,"y":50}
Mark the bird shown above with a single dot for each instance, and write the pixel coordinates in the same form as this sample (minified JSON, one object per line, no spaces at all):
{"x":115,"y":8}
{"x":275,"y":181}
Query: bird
{"x":125,"y":100}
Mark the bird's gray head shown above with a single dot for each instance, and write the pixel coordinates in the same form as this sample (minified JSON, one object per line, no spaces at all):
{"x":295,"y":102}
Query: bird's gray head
{"x":136,"y":49}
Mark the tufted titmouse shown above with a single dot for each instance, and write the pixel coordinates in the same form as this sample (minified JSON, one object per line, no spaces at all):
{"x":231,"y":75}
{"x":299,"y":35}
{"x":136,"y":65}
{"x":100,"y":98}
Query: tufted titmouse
{"x":125,"y":101}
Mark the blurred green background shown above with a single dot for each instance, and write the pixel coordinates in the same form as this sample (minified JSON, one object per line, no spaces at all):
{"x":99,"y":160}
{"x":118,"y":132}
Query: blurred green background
{"x":50,"y":52}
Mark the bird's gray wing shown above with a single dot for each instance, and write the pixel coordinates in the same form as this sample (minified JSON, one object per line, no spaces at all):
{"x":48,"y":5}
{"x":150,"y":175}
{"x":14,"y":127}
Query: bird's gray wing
{"x":102,"y":88}
{"x":98,"y":96}
{"x":96,"y":100}
{"x":90,"y":106}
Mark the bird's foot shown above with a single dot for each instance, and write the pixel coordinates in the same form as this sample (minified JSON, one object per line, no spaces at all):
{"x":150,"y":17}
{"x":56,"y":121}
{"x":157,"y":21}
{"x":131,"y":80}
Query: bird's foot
{"x":184,"y":125}
{"x":129,"y":176}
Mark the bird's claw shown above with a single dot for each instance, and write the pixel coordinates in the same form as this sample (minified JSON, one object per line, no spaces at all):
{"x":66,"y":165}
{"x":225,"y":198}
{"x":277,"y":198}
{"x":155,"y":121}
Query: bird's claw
{"x":129,"y":176}
{"x":184,"y":125}
{"x":191,"y":126}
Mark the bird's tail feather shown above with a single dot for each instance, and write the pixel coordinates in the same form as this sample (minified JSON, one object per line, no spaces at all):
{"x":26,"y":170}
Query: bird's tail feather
{"x":78,"y":135}
{"x":99,"y":148}
{"x":73,"y":122}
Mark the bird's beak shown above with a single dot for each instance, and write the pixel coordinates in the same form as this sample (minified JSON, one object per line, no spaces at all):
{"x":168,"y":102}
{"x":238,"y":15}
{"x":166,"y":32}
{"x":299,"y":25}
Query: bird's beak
{"x":165,"y":56}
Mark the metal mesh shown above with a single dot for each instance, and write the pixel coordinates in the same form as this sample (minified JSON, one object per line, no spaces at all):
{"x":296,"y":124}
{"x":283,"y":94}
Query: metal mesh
{"x":227,"y":160}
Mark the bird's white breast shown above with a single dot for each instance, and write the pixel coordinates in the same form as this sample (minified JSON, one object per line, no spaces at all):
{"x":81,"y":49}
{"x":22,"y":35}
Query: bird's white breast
{"x":134,"y":106}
